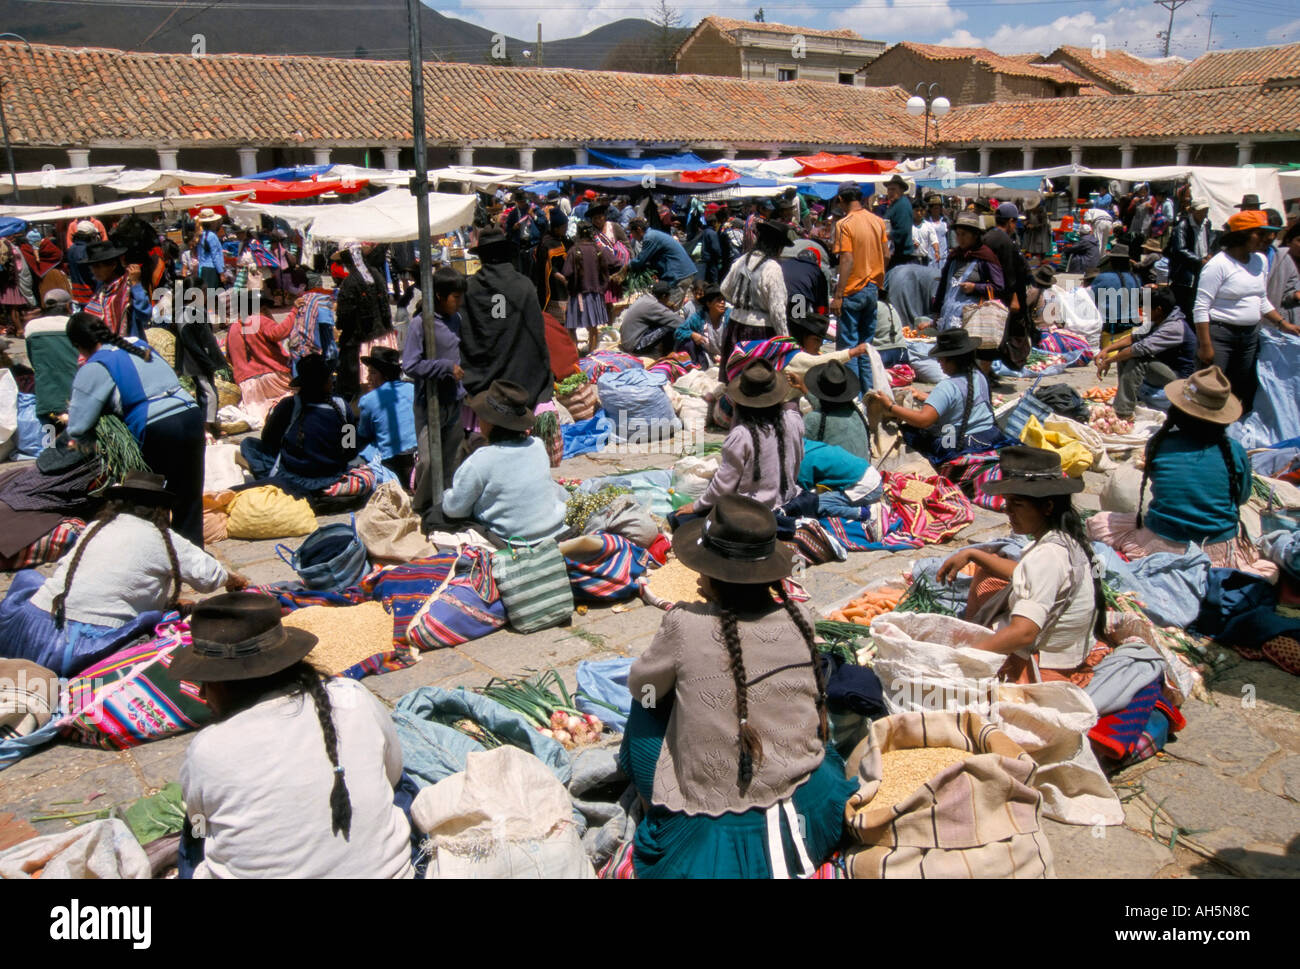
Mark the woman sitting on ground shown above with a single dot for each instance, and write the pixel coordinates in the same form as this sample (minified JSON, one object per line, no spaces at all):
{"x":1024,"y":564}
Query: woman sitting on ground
{"x":505,"y":485}
{"x":761,"y":455}
{"x":287,"y":811}
{"x":956,"y":417}
{"x":123,"y":573}
{"x":1048,"y":610}
{"x":745,"y":791}
{"x":1198,"y":476}
{"x":309,"y":439}
{"x":837,"y":419}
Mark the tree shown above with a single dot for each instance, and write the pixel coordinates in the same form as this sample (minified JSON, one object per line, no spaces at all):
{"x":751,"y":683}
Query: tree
{"x":758,"y":16}
{"x":668,"y":19}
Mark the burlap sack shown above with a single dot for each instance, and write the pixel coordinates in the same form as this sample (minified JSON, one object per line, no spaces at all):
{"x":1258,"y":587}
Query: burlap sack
{"x":390,"y":529}
{"x":976,"y":819}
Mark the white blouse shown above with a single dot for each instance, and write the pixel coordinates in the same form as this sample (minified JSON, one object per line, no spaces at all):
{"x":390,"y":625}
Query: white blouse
{"x":1043,"y":579}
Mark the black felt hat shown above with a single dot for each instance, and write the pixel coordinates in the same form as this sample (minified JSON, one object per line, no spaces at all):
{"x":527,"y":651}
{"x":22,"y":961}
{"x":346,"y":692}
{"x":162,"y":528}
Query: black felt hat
{"x":238,"y":636}
{"x":386,"y":360}
{"x":955,"y":342}
{"x":758,"y":385}
{"x":736,"y":542}
{"x":142,"y":487}
{"x":833,"y":383}
{"x":1034,"y":472}
{"x":103,"y":252}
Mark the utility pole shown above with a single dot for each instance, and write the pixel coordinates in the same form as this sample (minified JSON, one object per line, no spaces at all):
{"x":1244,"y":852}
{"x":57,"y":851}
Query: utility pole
{"x":1210,"y":33}
{"x":420,"y":189}
{"x":1171,"y":6}
{"x":540,"y":61}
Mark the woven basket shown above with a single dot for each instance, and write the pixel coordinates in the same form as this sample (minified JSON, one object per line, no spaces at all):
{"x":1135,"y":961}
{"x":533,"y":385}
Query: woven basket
{"x":227,"y":393}
{"x":163,"y":343}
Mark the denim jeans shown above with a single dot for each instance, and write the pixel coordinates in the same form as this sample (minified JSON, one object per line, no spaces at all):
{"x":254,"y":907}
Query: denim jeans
{"x":836,"y":504}
{"x":857,"y":325}
{"x":1236,"y":349}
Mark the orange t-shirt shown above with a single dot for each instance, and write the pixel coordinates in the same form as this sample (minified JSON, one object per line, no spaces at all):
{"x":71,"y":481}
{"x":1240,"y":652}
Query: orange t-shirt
{"x":866,"y":236}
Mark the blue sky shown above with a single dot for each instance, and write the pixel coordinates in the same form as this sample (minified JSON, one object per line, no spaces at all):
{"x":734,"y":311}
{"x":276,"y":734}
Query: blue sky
{"x":1008,"y":26}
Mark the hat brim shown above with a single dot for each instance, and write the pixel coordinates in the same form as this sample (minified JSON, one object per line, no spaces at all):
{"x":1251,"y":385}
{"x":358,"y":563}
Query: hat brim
{"x":478,"y":404}
{"x":106,"y":257}
{"x":148,"y":496}
{"x":852,"y":388}
{"x":383,"y":366}
{"x":201,"y":219}
{"x":970,"y":346}
{"x":188,"y":665}
{"x":1033,"y":488}
{"x":778,"y":393}
{"x":696,"y":556}
{"x":1230,"y":413}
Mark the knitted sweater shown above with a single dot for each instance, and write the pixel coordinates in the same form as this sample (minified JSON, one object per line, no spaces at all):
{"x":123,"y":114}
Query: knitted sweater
{"x":508,"y":488}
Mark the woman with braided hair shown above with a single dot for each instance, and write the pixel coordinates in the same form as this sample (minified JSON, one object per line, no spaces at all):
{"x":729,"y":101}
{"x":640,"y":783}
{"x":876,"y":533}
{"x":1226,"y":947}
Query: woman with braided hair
{"x":123,"y":573}
{"x":1197,"y":477}
{"x":121,"y":375}
{"x":760,"y":457}
{"x":727,"y":742}
{"x":296,"y":777}
{"x":1047,"y":611}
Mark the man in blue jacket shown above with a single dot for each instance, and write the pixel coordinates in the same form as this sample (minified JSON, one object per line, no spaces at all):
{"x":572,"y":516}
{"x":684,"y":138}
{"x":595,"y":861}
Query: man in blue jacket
{"x":663,"y":254}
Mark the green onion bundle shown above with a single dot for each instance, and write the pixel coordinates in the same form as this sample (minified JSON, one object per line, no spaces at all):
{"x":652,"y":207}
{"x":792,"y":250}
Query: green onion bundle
{"x":922,"y":597}
{"x":841,"y":639}
{"x":546,"y":704}
{"x":638,"y":282}
{"x":118,"y":451}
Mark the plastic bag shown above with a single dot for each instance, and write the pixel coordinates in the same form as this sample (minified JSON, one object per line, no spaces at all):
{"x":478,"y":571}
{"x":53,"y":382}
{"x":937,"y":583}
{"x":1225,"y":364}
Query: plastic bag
{"x":636,"y":403}
{"x":1051,"y":722}
{"x":1075,"y":456}
{"x":31,"y":435}
{"x":928,"y":662}
{"x":504,"y":816}
{"x":220,"y":472}
{"x":98,"y":849}
{"x":1078,"y":313}
{"x":1276,"y":416}
{"x":691,"y":475}
{"x":605,"y":680}
{"x":267,"y":512}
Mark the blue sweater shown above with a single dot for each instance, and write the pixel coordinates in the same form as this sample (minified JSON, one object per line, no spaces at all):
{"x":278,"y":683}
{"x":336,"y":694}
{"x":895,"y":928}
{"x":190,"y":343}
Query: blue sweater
{"x":388,"y":418}
{"x":508,"y":488}
{"x":826,"y":464}
{"x":665,"y":255}
{"x":1191,"y":497}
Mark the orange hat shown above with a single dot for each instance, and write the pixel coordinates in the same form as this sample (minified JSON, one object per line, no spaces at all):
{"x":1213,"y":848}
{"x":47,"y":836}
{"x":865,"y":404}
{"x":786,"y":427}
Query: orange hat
{"x":1247,"y":220}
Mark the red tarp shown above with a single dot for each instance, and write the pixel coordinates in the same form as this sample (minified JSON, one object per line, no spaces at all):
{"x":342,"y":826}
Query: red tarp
{"x":716,"y":176}
{"x":270,"y":192}
{"x":824,"y":163}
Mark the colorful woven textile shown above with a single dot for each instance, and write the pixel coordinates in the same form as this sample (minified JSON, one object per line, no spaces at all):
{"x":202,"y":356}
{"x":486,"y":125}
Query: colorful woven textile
{"x":600,"y":362}
{"x":355,"y":483}
{"x":971,"y":472}
{"x":852,"y":535}
{"x":404,"y":589}
{"x":381,"y":663}
{"x":1282,"y":650}
{"x":814,"y":541}
{"x":47,"y":548}
{"x":1066,"y":343}
{"x":1164,"y":723}
{"x":262,"y":258}
{"x":932,"y":509}
{"x":901,"y":375}
{"x":612,"y":575}
{"x":674,"y":365}
{"x":129,"y":698}
{"x":777,"y":350}
{"x":305,"y":336}
{"x":1117,"y":733}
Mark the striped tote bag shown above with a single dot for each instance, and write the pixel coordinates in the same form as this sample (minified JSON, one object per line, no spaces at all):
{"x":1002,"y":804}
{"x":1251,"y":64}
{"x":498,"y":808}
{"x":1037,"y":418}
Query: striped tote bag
{"x":534,"y":585}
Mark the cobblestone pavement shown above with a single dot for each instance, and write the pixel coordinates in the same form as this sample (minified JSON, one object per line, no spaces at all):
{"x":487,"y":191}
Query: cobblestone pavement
{"x":1229,"y":785}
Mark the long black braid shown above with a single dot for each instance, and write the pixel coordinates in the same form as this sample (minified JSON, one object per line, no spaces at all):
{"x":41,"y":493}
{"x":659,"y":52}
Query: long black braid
{"x":1204,"y":431}
{"x":1063,"y":517}
{"x":809,"y":637}
{"x":157,"y":516}
{"x":757,"y":419}
{"x":86,"y":331}
{"x":965,"y":366}
{"x":751,"y":746}
{"x":1153,"y":446}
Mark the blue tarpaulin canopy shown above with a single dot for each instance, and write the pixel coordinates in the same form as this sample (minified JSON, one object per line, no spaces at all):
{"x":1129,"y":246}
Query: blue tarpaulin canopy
{"x":686,"y":162}
{"x":293,"y":173}
{"x":11,"y":226}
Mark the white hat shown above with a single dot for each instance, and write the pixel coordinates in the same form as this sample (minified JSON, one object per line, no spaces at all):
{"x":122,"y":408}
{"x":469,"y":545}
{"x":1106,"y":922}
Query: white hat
{"x":86,"y":228}
{"x":207,"y":215}
{"x":1197,"y":204}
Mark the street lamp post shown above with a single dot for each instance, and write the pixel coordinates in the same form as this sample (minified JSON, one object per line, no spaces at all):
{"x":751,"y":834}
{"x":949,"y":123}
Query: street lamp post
{"x":928,"y":104}
{"x":4,"y":127}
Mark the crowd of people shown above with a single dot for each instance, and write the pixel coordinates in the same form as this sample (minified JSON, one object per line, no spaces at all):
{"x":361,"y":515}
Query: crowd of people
{"x":338,"y":367}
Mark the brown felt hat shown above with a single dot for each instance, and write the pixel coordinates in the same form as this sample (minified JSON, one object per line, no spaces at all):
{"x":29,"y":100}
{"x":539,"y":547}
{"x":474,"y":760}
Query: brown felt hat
{"x":142,"y":487}
{"x":1033,"y":472}
{"x":504,"y":404}
{"x":238,"y":636}
{"x":758,"y":385}
{"x":1207,"y":395}
{"x":735,"y":542}
{"x":969,"y":220}
{"x":832,"y":383}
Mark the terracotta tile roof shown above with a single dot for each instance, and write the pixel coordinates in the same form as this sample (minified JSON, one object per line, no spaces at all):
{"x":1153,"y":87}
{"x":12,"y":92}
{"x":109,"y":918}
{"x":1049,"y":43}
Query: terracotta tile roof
{"x":1227,"y":68}
{"x":999,"y":64}
{"x":1121,"y":71}
{"x":69,"y":97}
{"x":1136,"y":116}
{"x":727,"y":24}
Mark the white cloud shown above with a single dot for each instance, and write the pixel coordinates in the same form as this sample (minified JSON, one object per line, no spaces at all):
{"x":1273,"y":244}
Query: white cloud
{"x":1129,"y":28}
{"x":875,"y":19}
{"x":1284,"y":32}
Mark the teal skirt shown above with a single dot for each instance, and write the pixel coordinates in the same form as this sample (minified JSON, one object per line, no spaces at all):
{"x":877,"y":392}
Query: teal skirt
{"x":669,"y":844}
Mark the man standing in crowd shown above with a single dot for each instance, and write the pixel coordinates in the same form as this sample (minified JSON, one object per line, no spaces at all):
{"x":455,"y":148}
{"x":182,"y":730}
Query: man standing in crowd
{"x":211,"y":257}
{"x":1001,"y":239}
{"x":663,"y":254}
{"x":934,"y":203}
{"x":1189,"y":249}
{"x":899,"y":217}
{"x":862,"y":244}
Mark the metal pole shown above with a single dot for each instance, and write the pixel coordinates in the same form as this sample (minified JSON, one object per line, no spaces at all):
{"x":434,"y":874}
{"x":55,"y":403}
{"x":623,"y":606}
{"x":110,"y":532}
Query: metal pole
{"x":420,"y":189}
{"x":9,"y":148}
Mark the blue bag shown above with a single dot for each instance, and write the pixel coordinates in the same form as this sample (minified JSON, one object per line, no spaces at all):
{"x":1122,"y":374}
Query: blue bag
{"x":332,"y":557}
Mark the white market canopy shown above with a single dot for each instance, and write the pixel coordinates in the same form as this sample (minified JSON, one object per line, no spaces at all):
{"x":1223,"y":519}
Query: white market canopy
{"x":55,"y":178}
{"x":387,"y":217}
{"x":157,"y":203}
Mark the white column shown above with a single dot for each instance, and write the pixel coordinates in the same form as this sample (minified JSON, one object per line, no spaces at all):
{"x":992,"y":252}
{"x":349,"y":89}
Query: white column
{"x":900,"y":156}
{"x":80,"y":158}
{"x":392,"y":157}
{"x":1027,"y":157}
{"x":729,"y":154}
{"x":1244,"y":150}
{"x":1125,"y":156}
{"x":465,"y":157}
{"x":167,"y":158}
{"x":985,"y":155}
{"x":1184,"y":156}
{"x":526,"y":159}
{"x":774,"y":154}
{"x":634,"y":152}
{"x":580,"y":156}
{"x":1076,"y":158}
{"x":247,"y":160}
{"x":320,"y":156}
